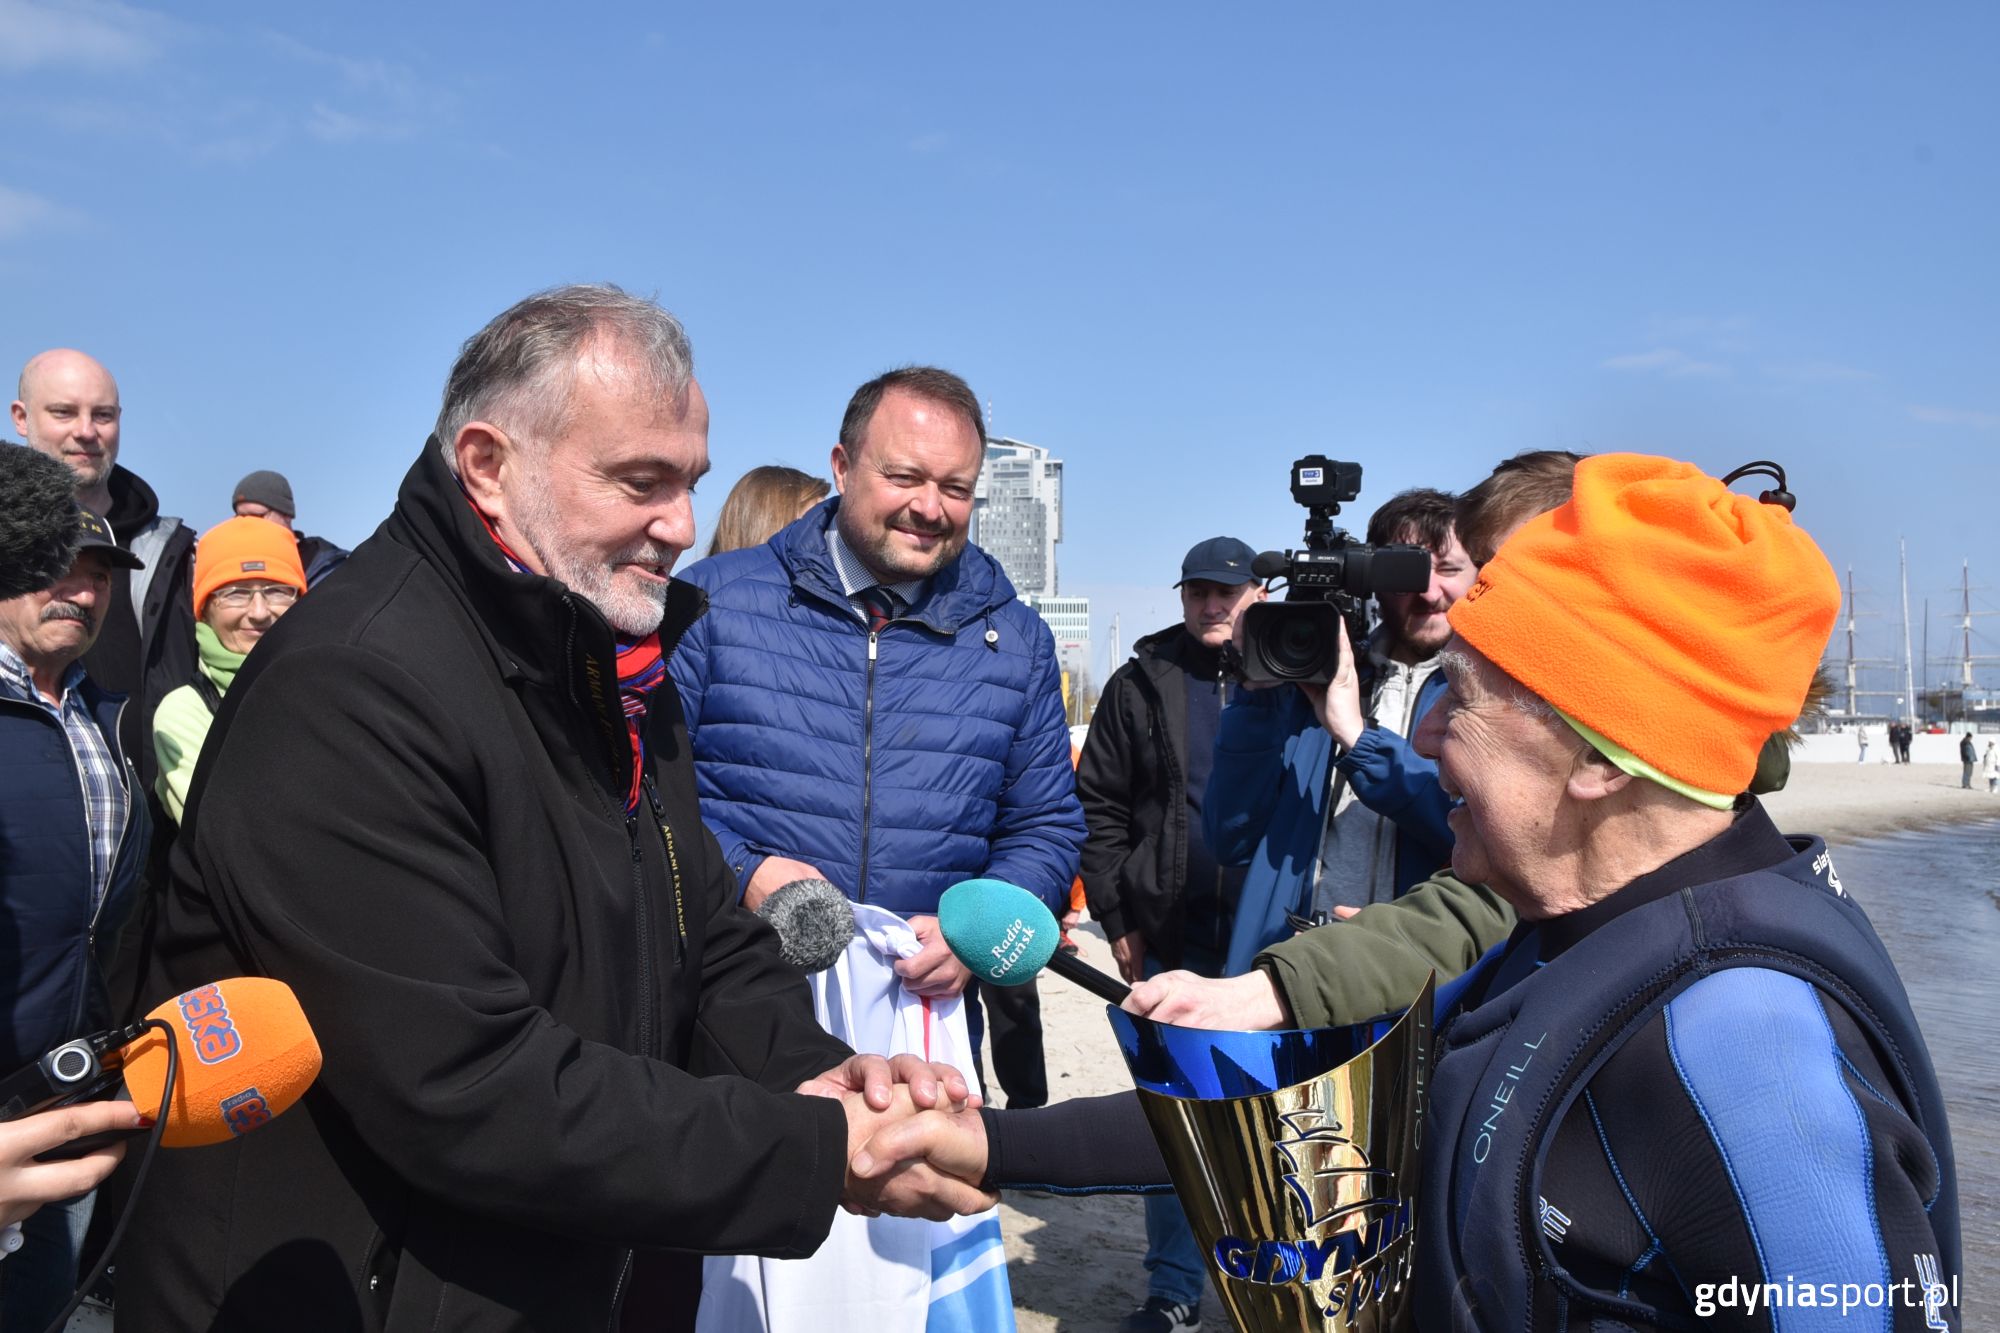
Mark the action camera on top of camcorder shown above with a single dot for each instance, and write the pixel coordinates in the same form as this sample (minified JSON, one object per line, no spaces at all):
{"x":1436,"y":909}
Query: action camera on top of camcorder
{"x":1328,"y":581}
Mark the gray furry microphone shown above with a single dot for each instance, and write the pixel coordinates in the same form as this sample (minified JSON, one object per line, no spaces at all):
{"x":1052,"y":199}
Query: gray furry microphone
{"x":814,"y":922}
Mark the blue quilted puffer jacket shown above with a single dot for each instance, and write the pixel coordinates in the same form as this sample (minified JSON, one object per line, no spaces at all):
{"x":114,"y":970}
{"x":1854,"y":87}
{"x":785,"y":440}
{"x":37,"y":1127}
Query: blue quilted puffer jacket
{"x":898,"y":763}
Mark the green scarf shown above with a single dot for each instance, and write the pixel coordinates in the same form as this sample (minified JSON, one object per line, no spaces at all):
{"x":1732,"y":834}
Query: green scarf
{"x":217,"y":663}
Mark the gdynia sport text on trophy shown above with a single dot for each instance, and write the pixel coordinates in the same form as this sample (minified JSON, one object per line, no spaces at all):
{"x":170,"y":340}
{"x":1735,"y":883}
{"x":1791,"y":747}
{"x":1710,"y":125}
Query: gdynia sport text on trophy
{"x":1297,"y":1158}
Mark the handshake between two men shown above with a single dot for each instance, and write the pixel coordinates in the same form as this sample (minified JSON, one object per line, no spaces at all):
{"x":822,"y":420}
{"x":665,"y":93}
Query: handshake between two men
{"x":921,"y":1145}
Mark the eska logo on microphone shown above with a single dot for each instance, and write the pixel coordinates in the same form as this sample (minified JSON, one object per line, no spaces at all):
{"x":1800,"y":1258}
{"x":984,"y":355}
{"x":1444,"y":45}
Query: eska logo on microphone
{"x":207,"y":1017}
{"x":245,"y":1111}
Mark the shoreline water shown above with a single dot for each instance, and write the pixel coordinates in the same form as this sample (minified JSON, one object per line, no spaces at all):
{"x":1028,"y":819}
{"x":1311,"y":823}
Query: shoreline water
{"x":1075,"y":1263}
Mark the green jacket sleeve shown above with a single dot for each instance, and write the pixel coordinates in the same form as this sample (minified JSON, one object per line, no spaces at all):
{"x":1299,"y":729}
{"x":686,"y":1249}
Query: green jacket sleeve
{"x":180,"y":724}
{"x":1375,"y":962}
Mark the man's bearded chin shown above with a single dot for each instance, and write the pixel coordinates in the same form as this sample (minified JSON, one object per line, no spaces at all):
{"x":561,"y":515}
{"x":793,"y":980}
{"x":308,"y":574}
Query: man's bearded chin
{"x":630,"y":609}
{"x":1428,"y":640}
{"x":879,"y":551}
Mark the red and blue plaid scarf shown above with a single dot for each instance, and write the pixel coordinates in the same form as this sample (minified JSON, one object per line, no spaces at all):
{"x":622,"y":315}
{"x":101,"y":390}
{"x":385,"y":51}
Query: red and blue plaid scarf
{"x":641,"y":668}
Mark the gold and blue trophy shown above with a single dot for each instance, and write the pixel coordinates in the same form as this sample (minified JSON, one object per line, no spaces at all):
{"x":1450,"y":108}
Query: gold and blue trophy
{"x":1297,"y":1156}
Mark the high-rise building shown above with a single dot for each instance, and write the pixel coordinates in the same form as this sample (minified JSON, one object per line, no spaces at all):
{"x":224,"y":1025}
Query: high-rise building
{"x":1017,"y":513}
{"x":1017,"y":519}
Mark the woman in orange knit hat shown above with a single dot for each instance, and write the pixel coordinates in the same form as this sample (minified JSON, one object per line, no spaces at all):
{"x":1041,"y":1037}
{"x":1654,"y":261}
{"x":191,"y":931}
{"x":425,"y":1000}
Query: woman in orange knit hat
{"x":246,"y":575}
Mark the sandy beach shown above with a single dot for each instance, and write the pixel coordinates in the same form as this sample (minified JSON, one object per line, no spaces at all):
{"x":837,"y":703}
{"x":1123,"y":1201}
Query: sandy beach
{"x":1075,"y":1263}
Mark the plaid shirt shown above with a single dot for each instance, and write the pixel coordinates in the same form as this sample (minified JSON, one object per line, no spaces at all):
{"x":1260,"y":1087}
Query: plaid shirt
{"x":105,"y":805}
{"x":855,"y":578}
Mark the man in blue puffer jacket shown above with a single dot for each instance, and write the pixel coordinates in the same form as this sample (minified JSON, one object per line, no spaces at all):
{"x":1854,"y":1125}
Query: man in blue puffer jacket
{"x":868,"y":701}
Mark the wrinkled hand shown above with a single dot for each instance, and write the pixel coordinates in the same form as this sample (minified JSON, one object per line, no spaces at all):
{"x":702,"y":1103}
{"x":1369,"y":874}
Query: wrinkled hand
{"x":889,"y":1171}
{"x":26,"y":1184}
{"x":1337,"y":704}
{"x":906,"y":1152}
{"x":1130,"y":951}
{"x":1248,"y":1003}
{"x":935,"y":971}
{"x":877,"y":1078}
{"x":772,"y":874}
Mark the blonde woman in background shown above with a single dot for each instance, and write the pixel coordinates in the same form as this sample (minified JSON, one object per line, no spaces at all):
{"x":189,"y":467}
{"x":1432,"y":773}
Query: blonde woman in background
{"x":765,"y":500}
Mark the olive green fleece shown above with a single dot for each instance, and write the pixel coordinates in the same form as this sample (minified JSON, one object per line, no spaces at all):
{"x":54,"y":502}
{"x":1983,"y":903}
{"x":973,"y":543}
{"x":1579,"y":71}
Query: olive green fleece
{"x":1375,"y":962}
{"x":180,"y":723}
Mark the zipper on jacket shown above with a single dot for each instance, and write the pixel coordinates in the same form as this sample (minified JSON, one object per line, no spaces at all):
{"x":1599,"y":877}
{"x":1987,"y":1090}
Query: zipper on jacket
{"x":867,"y":759}
{"x":646,"y":984}
{"x":618,"y":1293}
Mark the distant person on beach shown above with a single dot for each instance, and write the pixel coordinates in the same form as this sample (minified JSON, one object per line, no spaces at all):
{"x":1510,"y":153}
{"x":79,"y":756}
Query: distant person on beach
{"x":762,"y":501}
{"x":1861,"y":740}
{"x":1968,"y":755}
{"x":1991,"y":767}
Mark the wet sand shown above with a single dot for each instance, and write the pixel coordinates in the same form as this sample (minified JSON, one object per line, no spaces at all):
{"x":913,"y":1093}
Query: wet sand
{"x":1075,"y":1263}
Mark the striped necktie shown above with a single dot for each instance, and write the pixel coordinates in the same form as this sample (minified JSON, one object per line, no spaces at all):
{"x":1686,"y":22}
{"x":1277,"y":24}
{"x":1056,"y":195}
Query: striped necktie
{"x":881,"y":604}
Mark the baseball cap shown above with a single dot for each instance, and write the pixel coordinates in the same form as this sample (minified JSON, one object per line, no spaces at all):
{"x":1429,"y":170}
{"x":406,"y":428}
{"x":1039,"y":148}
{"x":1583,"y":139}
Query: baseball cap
{"x":94,"y":534}
{"x":1218,"y":560}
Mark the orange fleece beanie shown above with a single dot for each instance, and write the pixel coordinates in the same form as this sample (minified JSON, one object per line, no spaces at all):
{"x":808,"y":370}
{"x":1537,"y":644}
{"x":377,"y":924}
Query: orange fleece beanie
{"x":1663,"y":610}
{"x":244,"y":549}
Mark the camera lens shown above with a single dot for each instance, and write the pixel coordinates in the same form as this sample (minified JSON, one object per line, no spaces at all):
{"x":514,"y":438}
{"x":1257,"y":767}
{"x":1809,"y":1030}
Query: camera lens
{"x":1296,"y":647}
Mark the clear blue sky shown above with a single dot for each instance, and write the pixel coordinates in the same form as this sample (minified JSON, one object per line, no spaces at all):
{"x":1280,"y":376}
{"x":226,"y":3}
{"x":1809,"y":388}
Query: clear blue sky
{"x":1178,"y":244}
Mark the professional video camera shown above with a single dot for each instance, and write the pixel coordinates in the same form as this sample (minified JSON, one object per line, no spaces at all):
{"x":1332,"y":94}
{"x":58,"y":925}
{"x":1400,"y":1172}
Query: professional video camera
{"x":1331,"y":579}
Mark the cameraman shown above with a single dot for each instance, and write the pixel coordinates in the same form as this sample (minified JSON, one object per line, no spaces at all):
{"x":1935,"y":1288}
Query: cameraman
{"x":1316,"y":791}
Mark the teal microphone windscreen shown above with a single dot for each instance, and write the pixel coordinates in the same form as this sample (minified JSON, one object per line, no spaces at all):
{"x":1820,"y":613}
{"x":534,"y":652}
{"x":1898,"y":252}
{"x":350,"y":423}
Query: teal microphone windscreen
{"x":1003,"y":933}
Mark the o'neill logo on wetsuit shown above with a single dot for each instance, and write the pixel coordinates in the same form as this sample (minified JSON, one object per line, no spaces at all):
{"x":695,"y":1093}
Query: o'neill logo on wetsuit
{"x":1503,"y":1095}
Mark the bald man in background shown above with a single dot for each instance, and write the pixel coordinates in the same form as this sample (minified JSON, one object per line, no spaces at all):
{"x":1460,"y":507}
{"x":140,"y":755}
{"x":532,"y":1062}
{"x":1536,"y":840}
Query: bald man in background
{"x":67,"y":407}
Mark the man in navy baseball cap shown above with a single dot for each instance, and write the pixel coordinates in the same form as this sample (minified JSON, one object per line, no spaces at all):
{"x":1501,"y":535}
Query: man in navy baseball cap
{"x":1222,"y":560}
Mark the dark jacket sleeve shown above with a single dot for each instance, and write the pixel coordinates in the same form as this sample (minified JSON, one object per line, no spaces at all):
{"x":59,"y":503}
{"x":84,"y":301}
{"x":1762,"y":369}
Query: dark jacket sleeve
{"x":1038,"y":829}
{"x":363,"y":880}
{"x":1106,"y":776}
{"x":1375,"y":962}
{"x":1248,"y":771}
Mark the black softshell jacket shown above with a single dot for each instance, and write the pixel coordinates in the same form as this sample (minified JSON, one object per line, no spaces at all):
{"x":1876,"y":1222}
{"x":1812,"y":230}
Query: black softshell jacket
{"x":550,"y":1033}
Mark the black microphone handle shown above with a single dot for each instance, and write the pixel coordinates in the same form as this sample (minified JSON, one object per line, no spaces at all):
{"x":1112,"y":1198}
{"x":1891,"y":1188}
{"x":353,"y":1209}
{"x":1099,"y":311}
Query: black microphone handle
{"x":1073,"y":969}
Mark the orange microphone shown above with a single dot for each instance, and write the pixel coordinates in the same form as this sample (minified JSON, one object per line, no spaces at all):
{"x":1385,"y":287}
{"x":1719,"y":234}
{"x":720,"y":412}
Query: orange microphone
{"x":244,"y":1053}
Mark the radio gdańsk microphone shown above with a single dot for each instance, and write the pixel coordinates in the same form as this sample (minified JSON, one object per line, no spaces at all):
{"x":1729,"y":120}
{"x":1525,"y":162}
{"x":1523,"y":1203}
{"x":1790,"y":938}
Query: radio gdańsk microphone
{"x":1005,"y":935}
{"x":246,"y":1054}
